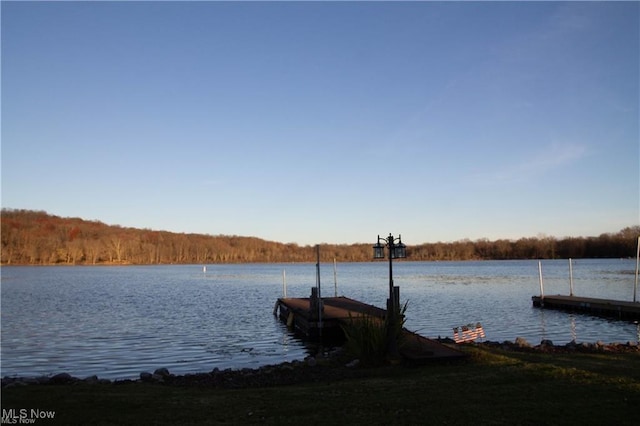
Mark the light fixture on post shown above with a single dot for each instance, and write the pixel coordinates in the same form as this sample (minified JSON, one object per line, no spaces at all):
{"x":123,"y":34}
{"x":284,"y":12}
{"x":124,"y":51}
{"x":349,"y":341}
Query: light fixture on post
{"x":399,"y":250}
{"x":378,"y":250}
{"x":396,"y":250}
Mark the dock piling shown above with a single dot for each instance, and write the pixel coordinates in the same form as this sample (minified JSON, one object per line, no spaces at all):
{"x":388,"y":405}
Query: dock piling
{"x":541,"y":283}
{"x":570,"y":277}
{"x":635,"y":286}
{"x":335,"y":279}
{"x":284,"y":283}
{"x":319,"y":294}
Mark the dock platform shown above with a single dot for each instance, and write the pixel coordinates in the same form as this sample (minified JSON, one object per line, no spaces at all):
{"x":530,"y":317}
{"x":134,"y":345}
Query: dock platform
{"x":338,"y":311}
{"x":296,"y":312}
{"x":600,"y":307}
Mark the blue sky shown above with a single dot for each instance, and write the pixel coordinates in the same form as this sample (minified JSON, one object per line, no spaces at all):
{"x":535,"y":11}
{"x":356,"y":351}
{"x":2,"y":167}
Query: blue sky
{"x":325,"y":122}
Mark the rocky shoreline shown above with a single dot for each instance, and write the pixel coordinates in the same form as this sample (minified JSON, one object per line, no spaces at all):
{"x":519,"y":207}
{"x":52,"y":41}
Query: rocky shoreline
{"x":328,"y":368}
{"x":287,"y":373}
{"x":547,"y":346}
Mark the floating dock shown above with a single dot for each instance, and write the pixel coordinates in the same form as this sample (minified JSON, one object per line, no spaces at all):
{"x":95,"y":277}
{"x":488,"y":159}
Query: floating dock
{"x":304,"y":316}
{"x":600,"y":307}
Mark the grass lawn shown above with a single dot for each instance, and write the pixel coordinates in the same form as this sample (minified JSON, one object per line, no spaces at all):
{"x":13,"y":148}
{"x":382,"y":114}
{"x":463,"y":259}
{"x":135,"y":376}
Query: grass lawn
{"x":491,"y":387}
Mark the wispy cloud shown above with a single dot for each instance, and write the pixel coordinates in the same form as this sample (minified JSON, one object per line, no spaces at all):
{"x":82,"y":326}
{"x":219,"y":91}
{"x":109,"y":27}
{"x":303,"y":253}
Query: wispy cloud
{"x":553,"y":156}
{"x":543,"y":160}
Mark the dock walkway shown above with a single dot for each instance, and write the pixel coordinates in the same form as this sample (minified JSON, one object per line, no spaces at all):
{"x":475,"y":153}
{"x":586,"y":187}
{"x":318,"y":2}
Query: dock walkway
{"x":296,"y":312}
{"x":601,"y":307}
{"x":338,"y":311}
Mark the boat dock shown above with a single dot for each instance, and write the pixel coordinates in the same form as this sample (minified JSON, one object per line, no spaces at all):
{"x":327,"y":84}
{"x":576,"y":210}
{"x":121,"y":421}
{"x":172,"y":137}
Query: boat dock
{"x":618,"y":309}
{"x":600,"y":307}
{"x":299,"y":314}
{"x":326,"y":321}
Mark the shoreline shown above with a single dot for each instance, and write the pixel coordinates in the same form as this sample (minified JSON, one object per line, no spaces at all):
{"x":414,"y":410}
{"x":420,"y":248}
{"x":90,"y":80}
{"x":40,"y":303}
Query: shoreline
{"x":335,"y":366}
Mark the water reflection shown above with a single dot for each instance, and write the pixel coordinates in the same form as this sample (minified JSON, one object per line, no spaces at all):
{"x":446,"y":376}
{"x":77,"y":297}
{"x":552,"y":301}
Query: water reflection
{"x":565,"y":327}
{"x":543,"y":325}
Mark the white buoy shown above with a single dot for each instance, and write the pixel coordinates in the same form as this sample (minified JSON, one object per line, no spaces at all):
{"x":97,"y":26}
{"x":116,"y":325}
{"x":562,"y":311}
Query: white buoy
{"x":204,"y":269}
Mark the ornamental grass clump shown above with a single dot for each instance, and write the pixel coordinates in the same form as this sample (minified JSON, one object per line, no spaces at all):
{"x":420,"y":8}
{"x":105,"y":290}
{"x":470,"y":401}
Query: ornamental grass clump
{"x":367,"y":337}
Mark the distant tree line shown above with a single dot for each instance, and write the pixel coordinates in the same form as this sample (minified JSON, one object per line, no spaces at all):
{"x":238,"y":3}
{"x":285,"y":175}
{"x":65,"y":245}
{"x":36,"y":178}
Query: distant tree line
{"x":37,"y":238}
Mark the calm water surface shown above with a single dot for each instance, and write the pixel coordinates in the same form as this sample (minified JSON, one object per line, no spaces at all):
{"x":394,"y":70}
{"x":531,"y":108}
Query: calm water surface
{"x":118,"y":321}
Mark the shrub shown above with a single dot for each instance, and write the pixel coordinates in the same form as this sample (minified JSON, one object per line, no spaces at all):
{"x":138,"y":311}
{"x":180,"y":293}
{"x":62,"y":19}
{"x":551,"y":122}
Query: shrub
{"x":367,"y":337}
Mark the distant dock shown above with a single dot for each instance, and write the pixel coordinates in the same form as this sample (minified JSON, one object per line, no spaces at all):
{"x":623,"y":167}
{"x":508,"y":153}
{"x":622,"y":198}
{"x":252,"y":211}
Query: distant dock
{"x":617,"y":309}
{"x":326,"y":321}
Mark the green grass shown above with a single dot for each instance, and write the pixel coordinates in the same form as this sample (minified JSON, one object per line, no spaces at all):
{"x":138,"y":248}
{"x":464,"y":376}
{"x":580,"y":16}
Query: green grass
{"x":493,"y":387}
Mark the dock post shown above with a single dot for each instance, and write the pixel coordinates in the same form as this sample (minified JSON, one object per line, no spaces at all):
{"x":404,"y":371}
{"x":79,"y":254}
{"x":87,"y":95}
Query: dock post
{"x":313,"y":304}
{"x":319,"y":292}
{"x":335,"y":279}
{"x":396,"y":299}
{"x":541,"y":284}
{"x":635,"y":286}
{"x":570,"y":277}
{"x":284,"y":284}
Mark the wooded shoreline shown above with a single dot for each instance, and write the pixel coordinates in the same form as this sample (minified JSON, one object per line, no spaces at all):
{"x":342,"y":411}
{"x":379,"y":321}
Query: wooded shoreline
{"x":38,"y":238}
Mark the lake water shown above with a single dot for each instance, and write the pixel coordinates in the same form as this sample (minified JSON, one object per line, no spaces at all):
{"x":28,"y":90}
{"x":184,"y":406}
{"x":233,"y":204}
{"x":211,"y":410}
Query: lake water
{"x":116,"y":322}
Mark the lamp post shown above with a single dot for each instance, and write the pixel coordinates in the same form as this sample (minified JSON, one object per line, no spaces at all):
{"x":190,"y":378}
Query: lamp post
{"x":396,"y":250}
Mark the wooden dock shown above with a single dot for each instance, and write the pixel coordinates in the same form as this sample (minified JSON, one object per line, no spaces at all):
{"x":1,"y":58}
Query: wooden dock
{"x":297,"y":313}
{"x":302,"y":315}
{"x":600,"y":307}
